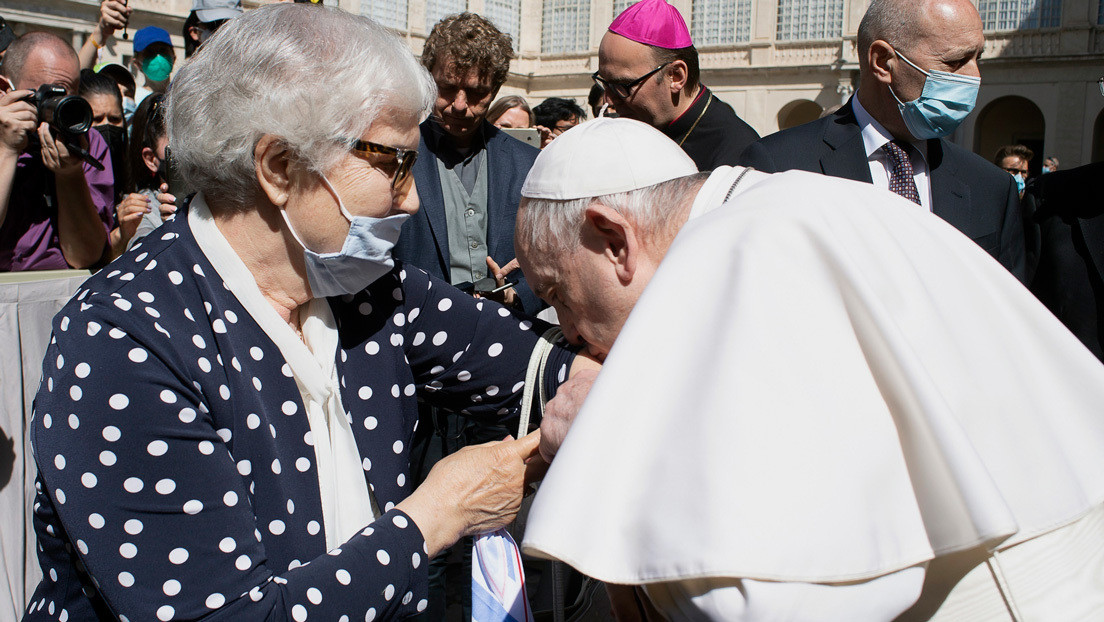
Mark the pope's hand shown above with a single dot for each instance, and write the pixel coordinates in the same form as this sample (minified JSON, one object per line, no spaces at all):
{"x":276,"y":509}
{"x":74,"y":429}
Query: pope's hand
{"x":560,"y":411}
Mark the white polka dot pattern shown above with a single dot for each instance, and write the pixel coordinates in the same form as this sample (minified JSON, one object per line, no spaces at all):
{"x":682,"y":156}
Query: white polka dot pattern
{"x":191,"y":431}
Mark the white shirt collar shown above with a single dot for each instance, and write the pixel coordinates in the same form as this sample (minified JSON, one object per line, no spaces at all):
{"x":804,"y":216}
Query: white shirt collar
{"x":874,"y":134}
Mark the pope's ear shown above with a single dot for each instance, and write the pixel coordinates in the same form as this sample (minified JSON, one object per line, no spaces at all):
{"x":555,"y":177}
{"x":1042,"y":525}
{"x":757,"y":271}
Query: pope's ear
{"x":607,"y":232}
{"x":272,"y":161}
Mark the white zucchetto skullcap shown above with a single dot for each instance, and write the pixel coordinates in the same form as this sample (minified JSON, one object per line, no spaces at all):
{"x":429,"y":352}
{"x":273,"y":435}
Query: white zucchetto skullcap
{"x":605,"y":156}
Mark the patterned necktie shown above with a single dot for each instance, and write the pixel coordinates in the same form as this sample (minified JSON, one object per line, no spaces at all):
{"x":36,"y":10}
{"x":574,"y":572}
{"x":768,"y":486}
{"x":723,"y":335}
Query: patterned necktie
{"x":901,"y":177}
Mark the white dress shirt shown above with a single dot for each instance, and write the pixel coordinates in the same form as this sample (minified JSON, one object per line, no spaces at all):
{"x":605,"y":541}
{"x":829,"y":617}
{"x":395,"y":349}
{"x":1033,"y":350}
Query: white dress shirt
{"x":874,"y":138}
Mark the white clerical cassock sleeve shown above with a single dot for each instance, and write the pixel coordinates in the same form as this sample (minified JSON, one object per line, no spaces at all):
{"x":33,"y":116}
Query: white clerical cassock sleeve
{"x":822,"y":383}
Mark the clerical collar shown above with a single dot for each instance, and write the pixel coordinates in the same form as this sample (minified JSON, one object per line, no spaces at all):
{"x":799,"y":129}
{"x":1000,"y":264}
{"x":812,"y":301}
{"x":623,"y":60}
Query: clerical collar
{"x":683,"y":125}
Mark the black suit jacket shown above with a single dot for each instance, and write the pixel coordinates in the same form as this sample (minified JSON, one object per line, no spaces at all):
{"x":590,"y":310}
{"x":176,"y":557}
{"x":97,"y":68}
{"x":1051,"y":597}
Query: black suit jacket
{"x":424,"y":238}
{"x":1064,"y":212}
{"x":970,"y":193}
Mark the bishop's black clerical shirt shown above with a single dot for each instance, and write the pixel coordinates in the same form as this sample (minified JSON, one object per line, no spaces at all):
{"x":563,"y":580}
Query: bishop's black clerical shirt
{"x":710,"y":132}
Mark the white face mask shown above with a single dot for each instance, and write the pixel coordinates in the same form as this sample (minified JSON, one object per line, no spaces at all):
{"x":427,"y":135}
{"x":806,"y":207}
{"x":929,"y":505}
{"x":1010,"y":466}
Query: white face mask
{"x":364,"y":257}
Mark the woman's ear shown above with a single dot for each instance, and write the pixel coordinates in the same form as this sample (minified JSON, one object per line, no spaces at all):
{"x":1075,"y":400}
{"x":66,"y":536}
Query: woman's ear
{"x":271,"y":158}
{"x":149,"y":158}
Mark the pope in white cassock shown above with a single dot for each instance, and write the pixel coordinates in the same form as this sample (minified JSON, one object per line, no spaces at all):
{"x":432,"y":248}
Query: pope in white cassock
{"x":819,"y":402}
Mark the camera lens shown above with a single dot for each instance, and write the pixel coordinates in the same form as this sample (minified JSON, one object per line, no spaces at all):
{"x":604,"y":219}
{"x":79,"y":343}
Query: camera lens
{"x":68,"y":114}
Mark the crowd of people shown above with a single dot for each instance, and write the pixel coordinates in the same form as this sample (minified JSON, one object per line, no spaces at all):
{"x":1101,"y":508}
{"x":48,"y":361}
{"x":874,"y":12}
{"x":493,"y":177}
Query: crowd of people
{"x":326,"y":271}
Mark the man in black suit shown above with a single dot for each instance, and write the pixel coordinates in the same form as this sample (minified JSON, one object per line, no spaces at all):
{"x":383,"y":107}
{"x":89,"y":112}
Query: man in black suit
{"x":1065,"y":224}
{"x":891,"y":133}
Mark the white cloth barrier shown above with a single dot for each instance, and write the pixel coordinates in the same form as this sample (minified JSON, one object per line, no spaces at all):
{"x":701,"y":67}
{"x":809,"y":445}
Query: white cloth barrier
{"x":28,"y":303}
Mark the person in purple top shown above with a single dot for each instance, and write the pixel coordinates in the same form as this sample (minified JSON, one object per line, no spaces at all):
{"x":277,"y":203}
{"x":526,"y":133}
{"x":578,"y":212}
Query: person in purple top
{"x":55,"y":210}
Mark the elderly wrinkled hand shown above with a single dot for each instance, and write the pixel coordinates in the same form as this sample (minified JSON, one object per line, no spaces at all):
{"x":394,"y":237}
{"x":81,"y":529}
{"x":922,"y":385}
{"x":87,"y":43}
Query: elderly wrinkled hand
{"x":473,"y":491}
{"x":560,"y":411}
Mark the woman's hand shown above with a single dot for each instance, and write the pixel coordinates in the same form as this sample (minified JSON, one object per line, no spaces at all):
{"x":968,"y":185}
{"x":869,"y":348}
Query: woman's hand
{"x":168,"y":202}
{"x":473,"y":491}
{"x":129,"y":213}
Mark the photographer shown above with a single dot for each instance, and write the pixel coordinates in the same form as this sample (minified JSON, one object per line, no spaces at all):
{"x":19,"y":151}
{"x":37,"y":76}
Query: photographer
{"x":55,"y":210}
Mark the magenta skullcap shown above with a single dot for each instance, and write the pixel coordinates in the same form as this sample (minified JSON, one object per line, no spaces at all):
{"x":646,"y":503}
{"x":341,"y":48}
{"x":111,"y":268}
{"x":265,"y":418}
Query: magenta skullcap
{"x":655,"y":23}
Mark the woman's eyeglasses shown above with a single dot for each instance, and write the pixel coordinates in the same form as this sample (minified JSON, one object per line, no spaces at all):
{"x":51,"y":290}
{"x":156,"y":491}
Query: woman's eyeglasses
{"x":403,"y":159}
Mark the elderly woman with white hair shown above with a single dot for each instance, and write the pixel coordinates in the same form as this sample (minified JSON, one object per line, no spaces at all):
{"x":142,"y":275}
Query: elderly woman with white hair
{"x":224,"y":423}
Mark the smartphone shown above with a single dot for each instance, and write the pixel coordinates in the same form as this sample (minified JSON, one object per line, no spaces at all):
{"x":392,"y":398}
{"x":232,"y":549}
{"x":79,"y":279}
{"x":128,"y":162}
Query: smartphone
{"x":526,"y":135}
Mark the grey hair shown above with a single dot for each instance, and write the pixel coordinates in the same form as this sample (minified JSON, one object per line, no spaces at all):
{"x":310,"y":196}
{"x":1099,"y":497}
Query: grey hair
{"x":315,"y":76}
{"x":556,"y":225}
{"x":892,"y":21}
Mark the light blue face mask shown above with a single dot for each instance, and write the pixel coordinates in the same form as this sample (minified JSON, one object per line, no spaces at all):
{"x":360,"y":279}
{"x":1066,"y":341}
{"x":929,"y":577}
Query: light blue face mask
{"x":364,"y":257}
{"x":944,"y":103}
{"x":1020,"y":183}
{"x":128,"y":109}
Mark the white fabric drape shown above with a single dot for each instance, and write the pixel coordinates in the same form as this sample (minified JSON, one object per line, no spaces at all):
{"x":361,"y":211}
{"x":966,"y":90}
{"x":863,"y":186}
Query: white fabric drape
{"x":824,"y":384}
{"x":346,"y":502}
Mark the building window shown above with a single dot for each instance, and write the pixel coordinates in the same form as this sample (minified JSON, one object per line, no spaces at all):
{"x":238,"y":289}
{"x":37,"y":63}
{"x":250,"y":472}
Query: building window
{"x":716,"y":22}
{"x":800,"y":20}
{"x":566,"y":26}
{"x":390,"y":13}
{"x":619,"y":6}
{"x":436,"y":10}
{"x":506,"y":16}
{"x":1020,"y":14}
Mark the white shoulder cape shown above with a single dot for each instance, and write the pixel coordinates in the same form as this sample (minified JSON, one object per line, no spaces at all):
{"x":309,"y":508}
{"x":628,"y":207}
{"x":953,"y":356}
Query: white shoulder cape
{"x":824,"y":383}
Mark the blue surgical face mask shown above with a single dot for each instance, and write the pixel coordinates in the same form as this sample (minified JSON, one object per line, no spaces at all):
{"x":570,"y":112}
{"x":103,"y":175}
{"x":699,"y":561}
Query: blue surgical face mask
{"x":364,"y":257}
{"x":944,"y":103}
{"x":1046,"y":169}
{"x":128,"y":108}
{"x":1020,"y":183}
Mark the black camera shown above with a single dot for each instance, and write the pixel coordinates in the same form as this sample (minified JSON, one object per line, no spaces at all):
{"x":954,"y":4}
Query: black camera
{"x":69,"y":115}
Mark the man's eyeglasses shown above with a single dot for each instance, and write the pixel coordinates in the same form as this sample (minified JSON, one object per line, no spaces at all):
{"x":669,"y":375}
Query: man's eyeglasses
{"x":403,"y":159}
{"x":623,"y":90}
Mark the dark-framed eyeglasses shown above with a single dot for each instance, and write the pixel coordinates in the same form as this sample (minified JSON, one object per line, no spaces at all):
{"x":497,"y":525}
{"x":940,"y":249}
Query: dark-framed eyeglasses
{"x":623,"y":89}
{"x":403,"y":159}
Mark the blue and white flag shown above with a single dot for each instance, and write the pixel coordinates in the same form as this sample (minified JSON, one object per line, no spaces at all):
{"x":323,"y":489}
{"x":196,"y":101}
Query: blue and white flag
{"x":498,"y":581}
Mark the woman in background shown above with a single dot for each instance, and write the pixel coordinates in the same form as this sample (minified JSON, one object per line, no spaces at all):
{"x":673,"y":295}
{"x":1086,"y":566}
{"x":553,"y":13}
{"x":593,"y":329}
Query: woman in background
{"x":147,"y":203}
{"x":511,"y":111}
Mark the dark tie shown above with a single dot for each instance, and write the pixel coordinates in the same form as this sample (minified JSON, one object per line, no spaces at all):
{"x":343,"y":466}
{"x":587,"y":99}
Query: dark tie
{"x":901,"y":179}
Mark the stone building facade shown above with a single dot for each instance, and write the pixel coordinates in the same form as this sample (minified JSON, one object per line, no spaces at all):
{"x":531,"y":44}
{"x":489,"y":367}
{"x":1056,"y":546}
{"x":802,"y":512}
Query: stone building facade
{"x":777,"y":62}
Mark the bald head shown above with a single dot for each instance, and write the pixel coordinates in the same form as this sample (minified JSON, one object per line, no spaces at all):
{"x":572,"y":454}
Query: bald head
{"x":907,"y":24}
{"x":39,"y":58}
